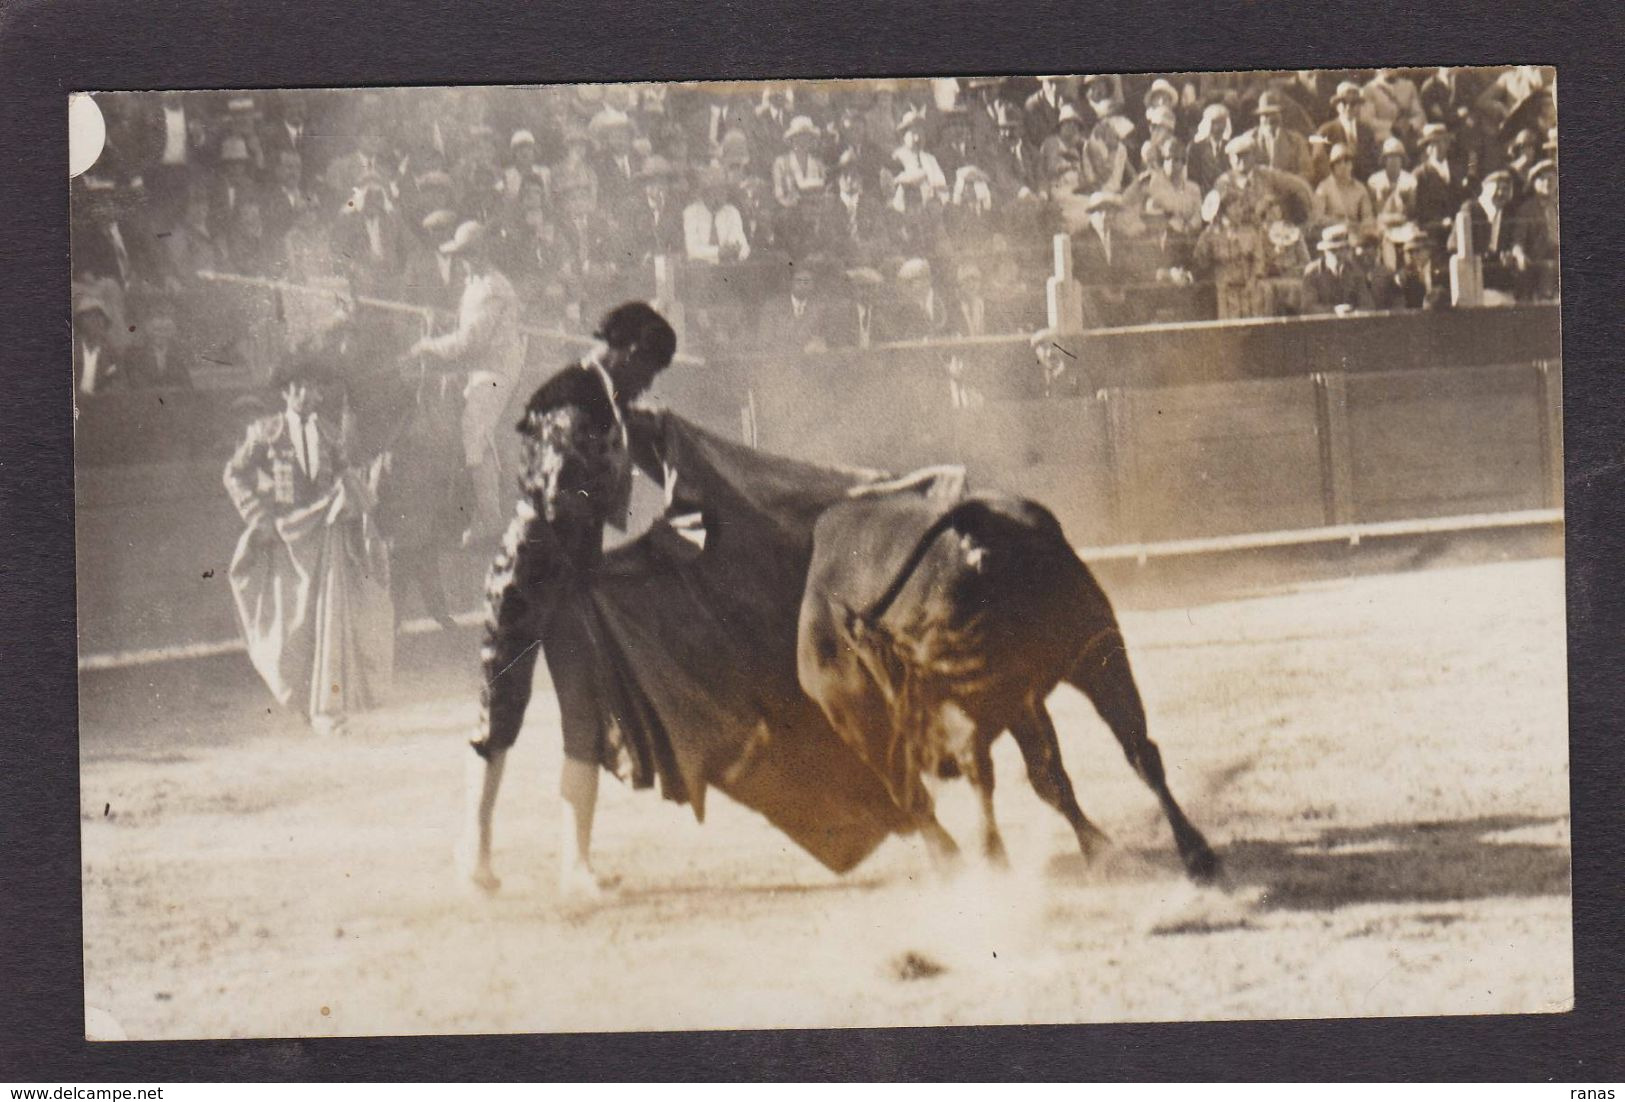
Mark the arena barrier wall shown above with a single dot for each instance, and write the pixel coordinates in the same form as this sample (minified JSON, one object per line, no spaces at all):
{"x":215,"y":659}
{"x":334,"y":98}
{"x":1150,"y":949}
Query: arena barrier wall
{"x":1391,"y":422}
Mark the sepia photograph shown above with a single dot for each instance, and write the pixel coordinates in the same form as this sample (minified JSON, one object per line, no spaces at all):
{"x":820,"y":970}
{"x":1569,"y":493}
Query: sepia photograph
{"x":567,"y":558}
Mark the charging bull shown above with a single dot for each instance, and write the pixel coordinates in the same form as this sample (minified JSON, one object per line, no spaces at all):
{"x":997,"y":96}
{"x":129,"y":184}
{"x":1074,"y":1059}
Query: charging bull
{"x":927,"y":631}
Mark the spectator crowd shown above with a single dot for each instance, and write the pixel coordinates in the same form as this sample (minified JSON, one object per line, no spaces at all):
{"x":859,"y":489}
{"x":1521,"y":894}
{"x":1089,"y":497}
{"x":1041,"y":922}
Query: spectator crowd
{"x":808,"y":215}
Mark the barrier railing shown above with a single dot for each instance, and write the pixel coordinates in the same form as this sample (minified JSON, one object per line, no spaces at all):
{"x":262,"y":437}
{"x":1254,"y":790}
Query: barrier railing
{"x":426,"y":314}
{"x":1278,"y":433}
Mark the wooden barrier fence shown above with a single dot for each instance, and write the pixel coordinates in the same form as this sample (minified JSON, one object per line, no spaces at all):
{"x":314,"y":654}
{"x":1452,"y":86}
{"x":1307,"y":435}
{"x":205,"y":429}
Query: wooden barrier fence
{"x":1370,"y":434}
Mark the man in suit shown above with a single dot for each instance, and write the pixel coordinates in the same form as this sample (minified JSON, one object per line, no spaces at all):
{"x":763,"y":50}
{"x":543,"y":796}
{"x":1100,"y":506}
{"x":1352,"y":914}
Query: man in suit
{"x":795,"y":324}
{"x":282,"y":202}
{"x":708,"y":122}
{"x":1307,"y":90}
{"x":110,"y":239}
{"x":953,"y":147}
{"x":1042,"y":111}
{"x":1018,"y":164}
{"x":855,"y":148}
{"x":1099,"y":257}
{"x":919,"y":313}
{"x":1276,"y":146}
{"x":1441,"y":183}
{"x":1334,"y":283}
{"x":292,"y":126}
{"x":975,"y":374}
{"x":1447,"y":96}
{"x":1535,"y":236}
{"x":524,"y":168}
{"x":1420,"y":283}
{"x":1207,"y":160}
{"x":1350,"y":130}
{"x":768,"y":122}
{"x":973,"y":314}
{"x":164,"y":141}
{"x":856,"y":322}
{"x":157,"y":361}
{"x":370,"y":238}
{"x":654,"y":222}
{"x":757,"y":214}
{"x":434,"y":278}
{"x":615,"y":162}
{"x":94,"y":368}
{"x":1491,"y":219}
{"x":855,"y":228}
{"x":1162,"y":254}
{"x":1104,"y":259}
{"x":234,"y":186}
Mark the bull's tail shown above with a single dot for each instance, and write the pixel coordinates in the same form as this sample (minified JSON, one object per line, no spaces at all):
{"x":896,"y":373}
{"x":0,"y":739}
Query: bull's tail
{"x":882,"y":604}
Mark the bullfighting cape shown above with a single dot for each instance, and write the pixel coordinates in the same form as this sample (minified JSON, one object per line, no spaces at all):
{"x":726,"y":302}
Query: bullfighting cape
{"x":314,"y":606}
{"x":696,"y":629}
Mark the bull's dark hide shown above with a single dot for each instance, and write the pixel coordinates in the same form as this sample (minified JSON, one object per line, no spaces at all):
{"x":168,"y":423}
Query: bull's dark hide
{"x":918,"y":603}
{"x":699,"y":646}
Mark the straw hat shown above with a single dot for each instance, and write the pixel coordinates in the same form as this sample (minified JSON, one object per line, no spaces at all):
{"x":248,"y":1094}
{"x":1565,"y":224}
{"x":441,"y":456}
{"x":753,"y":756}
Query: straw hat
{"x":1335,"y":236}
{"x":470,"y":236}
{"x":916,"y":268}
{"x":800,"y":125}
{"x":655,"y":167}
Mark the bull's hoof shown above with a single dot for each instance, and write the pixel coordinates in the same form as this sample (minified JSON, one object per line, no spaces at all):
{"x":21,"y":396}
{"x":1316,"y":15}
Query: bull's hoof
{"x":486,"y":881}
{"x":1093,"y":842}
{"x":1202,"y":865}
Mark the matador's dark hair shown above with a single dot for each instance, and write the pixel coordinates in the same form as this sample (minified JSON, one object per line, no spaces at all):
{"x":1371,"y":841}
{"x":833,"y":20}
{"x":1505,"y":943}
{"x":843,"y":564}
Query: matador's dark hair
{"x":638,"y":323}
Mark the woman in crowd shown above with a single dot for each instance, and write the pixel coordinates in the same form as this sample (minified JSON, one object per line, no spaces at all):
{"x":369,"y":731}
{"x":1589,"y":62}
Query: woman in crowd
{"x":1105,"y":155}
{"x":1340,"y":197}
{"x":1235,"y":254}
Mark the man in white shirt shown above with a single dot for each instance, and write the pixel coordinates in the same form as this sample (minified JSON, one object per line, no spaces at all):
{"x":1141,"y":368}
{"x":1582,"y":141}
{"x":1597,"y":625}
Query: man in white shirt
{"x":93,"y":367}
{"x":712,"y":228}
{"x":488,"y":344}
{"x":175,"y":129}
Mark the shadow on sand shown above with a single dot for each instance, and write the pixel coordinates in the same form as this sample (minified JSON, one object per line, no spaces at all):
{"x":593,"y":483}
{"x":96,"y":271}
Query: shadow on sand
{"x":1403,"y":863}
{"x":1429,"y":862}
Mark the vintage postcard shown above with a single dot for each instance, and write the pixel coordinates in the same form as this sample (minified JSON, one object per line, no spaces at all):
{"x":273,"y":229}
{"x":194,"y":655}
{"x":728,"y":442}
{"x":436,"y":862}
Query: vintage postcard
{"x":578,"y":557}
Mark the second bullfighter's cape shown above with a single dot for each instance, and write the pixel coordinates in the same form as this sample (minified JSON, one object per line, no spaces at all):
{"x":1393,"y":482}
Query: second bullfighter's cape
{"x":697,"y":648}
